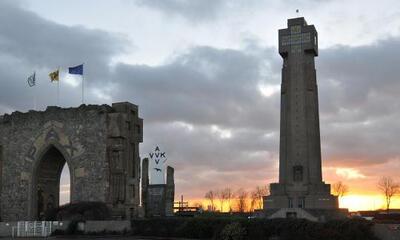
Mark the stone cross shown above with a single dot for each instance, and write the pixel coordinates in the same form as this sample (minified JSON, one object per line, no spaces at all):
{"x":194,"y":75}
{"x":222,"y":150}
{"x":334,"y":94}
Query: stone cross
{"x":297,"y":38}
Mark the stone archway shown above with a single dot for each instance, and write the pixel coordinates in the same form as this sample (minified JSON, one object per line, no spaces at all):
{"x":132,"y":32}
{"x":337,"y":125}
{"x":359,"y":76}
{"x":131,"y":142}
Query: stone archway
{"x":100,"y":144}
{"x":45,"y":187}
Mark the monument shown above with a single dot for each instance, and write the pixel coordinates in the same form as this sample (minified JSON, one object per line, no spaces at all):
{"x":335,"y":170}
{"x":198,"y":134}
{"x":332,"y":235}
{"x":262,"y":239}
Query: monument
{"x":300,"y":191}
{"x":100,"y":145}
{"x":157,"y":199}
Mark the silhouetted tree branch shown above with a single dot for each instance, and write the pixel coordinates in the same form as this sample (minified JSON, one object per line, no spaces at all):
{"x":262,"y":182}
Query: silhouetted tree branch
{"x":256,"y":197}
{"x":339,"y":189}
{"x":389,"y":188}
{"x":241,"y":200}
{"x":210,"y":195}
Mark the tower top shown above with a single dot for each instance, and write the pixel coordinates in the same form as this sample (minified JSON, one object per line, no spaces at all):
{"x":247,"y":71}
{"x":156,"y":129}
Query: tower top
{"x":296,"y":21}
{"x":298,"y":38}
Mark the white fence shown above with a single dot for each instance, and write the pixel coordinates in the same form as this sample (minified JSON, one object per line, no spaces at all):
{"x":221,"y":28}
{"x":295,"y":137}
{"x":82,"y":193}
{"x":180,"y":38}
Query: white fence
{"x":34,"y":228}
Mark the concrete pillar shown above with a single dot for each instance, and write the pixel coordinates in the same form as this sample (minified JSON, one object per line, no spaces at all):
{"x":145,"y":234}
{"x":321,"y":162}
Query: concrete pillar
{"x":170,"y":192}
{"x":145,"y":183}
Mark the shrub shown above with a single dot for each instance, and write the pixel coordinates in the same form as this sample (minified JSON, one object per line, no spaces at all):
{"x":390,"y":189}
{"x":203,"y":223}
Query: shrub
{"x":79,"y":211}
{"x":231,"y":228}
{"x":73,"y":228}
{"x":233,"y":231}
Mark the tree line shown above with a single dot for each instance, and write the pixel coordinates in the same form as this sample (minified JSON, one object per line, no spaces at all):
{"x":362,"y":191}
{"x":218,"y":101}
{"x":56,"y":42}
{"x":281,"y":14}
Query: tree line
{"x":388,"y":187}
{"x":241,"y":200}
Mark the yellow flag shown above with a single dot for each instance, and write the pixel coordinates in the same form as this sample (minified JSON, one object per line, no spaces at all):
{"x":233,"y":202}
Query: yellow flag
{"x":54,"y":75}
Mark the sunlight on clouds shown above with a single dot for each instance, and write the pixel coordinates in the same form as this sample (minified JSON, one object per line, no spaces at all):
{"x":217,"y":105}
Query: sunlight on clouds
{"x":73,"y":81}
{"x":187,"y":126}
{"x":349,"y":173}
{"x":268,"y":90}
{"x":101,"y":94}
{"x":222,"y":133}
{"x":269,"y":135}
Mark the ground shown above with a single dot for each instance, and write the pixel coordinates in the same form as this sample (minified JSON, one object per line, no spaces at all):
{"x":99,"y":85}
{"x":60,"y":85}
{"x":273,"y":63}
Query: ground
{"x":101,"y":238}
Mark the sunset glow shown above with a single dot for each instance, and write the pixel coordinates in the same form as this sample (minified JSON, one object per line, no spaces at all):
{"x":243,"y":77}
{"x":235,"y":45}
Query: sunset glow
{"x":206,"y":79}
{"x":366,"y":202}
{"x":353,"y":202}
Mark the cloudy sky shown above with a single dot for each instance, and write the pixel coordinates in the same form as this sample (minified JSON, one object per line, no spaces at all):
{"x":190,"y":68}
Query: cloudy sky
{"x":206,"y":76}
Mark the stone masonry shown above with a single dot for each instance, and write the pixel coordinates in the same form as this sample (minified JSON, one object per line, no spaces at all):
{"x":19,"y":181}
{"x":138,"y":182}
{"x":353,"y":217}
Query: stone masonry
{"x":99,"y":143}
{"x":300,"y":174}
{"x":157,"y":199}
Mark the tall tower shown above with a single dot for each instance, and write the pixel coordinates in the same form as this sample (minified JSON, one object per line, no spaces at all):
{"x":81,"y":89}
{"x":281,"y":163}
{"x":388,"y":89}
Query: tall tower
{"x":300,"y":177}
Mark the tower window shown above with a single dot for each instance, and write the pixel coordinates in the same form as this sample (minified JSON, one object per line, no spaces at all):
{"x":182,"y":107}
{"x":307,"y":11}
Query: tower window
{"x":295,"y":29}
{"x":290,"y":203}
{"x":298,"y":173}
{"x":301,"y":202}
{"x":137,"y":129}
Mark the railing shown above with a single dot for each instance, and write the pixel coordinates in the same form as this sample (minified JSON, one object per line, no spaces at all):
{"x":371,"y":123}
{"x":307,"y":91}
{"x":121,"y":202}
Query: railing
{"x":33,"y":228}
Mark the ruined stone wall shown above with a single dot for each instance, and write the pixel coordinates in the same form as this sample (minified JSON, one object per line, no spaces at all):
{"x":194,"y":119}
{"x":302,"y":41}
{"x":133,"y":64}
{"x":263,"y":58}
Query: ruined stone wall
{"x":1,"y":163}
{"x":99,"y":144}
{"x":170,"y":192}
{"x":125,"y":131}
{"x":158,"y":199}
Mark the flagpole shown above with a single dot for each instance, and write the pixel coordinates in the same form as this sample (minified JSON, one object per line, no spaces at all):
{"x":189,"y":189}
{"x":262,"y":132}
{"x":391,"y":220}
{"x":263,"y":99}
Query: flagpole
{"x":83,"y":88}
{"x":34,"y":98}
{"x":58,"y":88}
{"x":58,"y":93}
{"x":34,"y":93}
{"x":83,"y":85}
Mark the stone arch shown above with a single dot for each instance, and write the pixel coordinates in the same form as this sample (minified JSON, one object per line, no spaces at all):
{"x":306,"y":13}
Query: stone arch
{"x":45,"y":180}
{"x":83,"y":137}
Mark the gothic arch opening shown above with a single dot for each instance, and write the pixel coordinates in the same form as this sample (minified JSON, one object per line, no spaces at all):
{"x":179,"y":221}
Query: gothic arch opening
{"x":65,"y":185}
{"x":46,"y":182}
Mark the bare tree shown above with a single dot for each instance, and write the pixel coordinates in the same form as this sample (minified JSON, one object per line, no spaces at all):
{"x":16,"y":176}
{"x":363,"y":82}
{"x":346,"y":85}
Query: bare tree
{"x":389,"y":188}
{"x":220,"y":197}
{"x":223,"y":196}
{"x":229,"y":196}
{"x":210,"y":196}
{"x":256,"y":197}
{"x":241,"y":200}
{"x":340,"y":189}
{"x":260,"y":192}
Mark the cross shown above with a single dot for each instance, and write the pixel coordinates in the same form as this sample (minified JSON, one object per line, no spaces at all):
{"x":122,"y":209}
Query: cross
{"x":296,"y":37}
{"x":70,"y":147}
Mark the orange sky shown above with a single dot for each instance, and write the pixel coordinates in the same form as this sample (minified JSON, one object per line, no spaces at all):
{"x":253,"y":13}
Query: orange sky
{"x":212,"y":101}
{"x":362,"y":182}
{"x":363,"y":193}
{"x":353,"y":202}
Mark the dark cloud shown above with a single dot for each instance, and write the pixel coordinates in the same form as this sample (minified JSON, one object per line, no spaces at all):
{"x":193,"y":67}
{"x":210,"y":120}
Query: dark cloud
{"x":209,"y":86}
{"x":29,"y":42}
{"x":205,"y":10}
{"x":186,"y":102}
{"x":359,"y":102}
{"x":204,"y":107}
{"x":41,"y":43}
{"x":204,"y":86}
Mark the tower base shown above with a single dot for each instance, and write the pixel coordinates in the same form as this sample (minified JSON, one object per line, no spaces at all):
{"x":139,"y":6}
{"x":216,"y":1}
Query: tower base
{"x":309,"y":201}
{"x":298,"y":195}
{"x":315,"y":215}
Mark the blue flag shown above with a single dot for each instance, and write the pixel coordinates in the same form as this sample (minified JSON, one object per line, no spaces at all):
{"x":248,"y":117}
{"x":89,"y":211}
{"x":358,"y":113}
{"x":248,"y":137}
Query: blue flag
{"x":76,"y":70}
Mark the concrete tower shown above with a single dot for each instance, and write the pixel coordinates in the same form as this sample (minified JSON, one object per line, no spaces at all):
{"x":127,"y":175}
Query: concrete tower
{"x":300,"y":179}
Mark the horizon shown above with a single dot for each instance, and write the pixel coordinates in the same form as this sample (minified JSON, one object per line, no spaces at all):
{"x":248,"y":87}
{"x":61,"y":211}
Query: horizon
{"x":212,"y":101}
